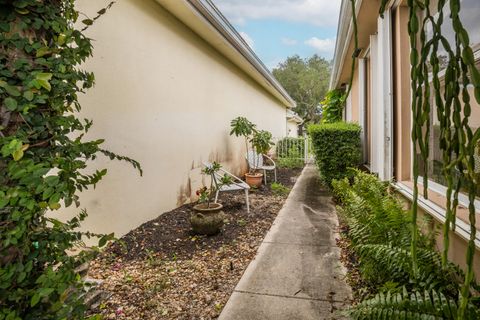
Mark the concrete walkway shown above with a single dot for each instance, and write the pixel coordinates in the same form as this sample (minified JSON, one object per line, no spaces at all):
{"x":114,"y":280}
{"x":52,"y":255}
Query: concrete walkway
{"x":296,"y":273}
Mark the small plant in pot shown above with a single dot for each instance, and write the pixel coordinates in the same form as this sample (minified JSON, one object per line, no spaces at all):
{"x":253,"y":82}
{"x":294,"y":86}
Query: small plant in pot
{"x":208,"y":216}
{"x":261,"y":142}
{"x":258,"y":140}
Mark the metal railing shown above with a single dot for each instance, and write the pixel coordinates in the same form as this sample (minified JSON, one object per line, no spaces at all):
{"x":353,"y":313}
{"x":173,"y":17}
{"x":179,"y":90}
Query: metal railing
{"x":289,"y":148}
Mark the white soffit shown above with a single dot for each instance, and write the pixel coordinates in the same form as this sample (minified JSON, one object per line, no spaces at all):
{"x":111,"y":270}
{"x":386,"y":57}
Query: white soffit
{"x":344,"y":37}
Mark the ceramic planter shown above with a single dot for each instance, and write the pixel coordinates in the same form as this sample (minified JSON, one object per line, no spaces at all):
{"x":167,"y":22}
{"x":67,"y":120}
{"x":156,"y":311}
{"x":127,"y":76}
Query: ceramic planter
{"x":207,"y":220}
{"x":254,"y":180}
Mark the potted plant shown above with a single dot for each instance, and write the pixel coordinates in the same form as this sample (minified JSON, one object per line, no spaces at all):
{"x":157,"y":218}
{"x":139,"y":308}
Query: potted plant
{"x":208,"y":216}
{"x":242,"y":127}
{"x":260,"y":141}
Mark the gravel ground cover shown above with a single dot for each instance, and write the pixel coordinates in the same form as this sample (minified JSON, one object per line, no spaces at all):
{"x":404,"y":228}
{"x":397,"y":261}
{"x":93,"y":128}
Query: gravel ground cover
{"x":162,"y":271}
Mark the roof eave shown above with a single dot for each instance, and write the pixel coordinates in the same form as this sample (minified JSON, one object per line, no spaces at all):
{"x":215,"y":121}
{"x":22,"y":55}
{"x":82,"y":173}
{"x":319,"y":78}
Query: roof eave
{"x":344,"y":37}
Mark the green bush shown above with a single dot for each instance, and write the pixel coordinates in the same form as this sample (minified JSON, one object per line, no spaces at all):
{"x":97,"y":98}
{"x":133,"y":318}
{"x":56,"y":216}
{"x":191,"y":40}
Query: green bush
{"x":44,"y":159}
{"x":333,"y":105}
{"x":380,"y":234}
{"x":290,"y":163}
{"x":337,"y":148}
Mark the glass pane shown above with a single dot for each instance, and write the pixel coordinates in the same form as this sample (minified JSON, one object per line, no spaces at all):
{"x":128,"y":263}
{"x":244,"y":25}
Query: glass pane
{"x":435,"y":157}
{"x":469,"y":15}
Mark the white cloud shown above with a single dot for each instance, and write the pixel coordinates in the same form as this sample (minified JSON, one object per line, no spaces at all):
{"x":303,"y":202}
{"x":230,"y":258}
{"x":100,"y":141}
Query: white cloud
{"x":247,"y":39}
{"x":274,"y":63}
{"x":316,"y":12}
{"x":322,"y":46}
{"x":289,"y":42}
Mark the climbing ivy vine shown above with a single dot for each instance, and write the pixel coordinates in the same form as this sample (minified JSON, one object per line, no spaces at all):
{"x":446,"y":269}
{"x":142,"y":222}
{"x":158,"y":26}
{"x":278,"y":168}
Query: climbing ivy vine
{"x":43,"y":157}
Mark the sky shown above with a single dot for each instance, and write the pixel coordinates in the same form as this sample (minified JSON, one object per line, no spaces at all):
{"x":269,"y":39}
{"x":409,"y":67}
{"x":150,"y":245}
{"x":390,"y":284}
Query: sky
{"x":277,"y":29}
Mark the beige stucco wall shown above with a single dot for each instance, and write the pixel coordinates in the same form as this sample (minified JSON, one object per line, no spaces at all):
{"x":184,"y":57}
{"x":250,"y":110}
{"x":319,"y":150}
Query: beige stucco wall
{"x":164,"y":97}
{"x":458,"y":246}
{"x":292,"y":129}
{"x":354,"y":96}
{"x":402,"y":96}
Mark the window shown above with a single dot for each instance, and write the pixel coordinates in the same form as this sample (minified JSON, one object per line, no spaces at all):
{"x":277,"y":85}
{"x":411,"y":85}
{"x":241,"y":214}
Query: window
{"x":469,"y":14}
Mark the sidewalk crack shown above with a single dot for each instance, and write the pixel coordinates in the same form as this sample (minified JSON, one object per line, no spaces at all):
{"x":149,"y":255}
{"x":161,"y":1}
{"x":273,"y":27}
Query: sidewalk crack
{"x":290,"y":297}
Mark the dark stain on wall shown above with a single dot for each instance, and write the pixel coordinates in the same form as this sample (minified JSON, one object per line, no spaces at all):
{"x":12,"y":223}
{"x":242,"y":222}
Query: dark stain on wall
{"x":184,"y":193}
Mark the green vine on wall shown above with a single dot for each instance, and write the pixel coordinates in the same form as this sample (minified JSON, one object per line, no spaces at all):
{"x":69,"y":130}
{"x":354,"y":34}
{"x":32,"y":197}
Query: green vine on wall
{"x":333,"y":105}
{"x":43,"y":158}
{"x":335,"y":99}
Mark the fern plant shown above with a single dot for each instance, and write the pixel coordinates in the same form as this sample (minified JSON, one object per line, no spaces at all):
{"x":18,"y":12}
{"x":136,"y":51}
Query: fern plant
{"x":380,"y":232}
{"x":405,"y":305}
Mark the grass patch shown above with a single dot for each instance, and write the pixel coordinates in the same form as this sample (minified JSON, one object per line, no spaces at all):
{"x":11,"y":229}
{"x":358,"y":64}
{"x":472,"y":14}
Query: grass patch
{"x":290,"y":163}
{"x":279,"y":189}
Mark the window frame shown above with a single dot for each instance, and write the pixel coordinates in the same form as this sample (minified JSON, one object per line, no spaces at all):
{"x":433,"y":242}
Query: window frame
{"x":432,"y":185}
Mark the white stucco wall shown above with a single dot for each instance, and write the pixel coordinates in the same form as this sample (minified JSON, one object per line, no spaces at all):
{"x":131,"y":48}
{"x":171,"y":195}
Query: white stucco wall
{"x":165,"y":98}
{"x":292,"y":129}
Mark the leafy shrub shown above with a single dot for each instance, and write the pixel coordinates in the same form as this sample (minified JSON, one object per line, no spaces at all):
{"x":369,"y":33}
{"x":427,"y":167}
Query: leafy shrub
{"x":43,"y":156}
{"x":380,"y":233}
{"x":290,"y":163}
{"x":279,"y":189}
{"x":332,"y":106}
{"x":262,"y":141}
{"x":337,"y":148}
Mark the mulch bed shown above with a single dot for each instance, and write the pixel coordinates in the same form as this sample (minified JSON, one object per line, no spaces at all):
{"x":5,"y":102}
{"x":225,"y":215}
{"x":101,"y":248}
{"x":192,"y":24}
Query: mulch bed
{"x":348,"y":257}
{"x":162,"y":271}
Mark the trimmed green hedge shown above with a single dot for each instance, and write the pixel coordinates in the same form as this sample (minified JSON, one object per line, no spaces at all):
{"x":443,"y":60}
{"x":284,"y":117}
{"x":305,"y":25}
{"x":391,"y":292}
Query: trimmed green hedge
{"x":337,"y":147}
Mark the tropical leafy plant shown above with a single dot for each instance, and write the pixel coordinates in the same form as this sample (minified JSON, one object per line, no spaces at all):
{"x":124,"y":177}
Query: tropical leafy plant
{"x":43,"y":158}
{"x":260,"y":140}
{"x":205,"y":194}
{"x":242,"y":127}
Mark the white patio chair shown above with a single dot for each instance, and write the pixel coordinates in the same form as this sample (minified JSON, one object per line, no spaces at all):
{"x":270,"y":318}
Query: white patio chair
{"x":237,"y":183}
{"x":255,"y":161}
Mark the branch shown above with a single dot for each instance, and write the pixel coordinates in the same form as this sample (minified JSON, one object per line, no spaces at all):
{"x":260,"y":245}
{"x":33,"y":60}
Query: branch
{"x":101,"y":12}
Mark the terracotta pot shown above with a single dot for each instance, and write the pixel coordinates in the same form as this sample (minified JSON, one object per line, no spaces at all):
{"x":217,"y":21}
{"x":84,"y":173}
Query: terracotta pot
{"x":254,"y":180}
{"x":207,"y":220}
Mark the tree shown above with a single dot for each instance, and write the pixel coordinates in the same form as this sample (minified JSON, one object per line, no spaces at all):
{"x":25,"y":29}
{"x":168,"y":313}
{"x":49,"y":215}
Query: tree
{"x":306,"y":80}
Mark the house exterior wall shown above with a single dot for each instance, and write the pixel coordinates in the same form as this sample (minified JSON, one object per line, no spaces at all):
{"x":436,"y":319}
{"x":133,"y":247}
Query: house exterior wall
{"x":402,"y":105}
{"x":355,"y":103}
{"x":458,"y":245}
{"x":388,"y":47}
{"x":165,"y":98}
{"x":352,"y":103}
{"x":292,"y":129}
